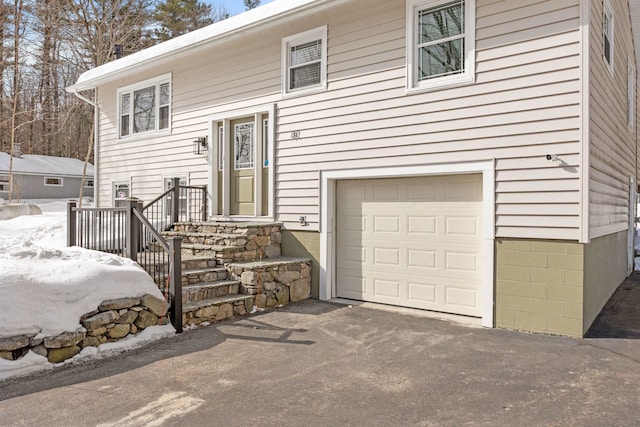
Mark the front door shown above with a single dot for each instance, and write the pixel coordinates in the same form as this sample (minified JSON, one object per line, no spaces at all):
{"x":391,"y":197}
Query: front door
{"x":242,"y":188}
{"x":241,"y":164}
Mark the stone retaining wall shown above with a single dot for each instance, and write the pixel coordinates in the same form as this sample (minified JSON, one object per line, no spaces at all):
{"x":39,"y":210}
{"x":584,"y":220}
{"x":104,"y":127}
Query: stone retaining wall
{"x":112,"y":321}
{"x":274,"y":282}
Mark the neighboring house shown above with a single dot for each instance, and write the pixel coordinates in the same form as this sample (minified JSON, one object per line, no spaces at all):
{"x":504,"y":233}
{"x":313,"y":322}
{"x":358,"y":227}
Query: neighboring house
{"x":44,"y":177}
{"x":471,"y":157}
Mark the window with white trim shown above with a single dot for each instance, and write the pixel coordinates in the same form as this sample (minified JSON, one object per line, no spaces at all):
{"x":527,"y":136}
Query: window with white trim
{"x":304,"y":61}
{"x":144,"y":107}
{"x":441,"y":37}
{"x":4,"y":183}
{"x":88,"y":183}
{"x":607,"y":34}
{"x":631,"y":93}
{"x":54,"y":182}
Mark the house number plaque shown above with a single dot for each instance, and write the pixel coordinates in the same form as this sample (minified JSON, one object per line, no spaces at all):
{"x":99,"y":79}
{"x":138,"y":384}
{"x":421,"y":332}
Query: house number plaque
{"x":295,"y":134}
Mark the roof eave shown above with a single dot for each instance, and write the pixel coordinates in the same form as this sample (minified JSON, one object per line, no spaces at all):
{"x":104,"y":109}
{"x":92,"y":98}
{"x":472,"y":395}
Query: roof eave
{"x":246,"y":21}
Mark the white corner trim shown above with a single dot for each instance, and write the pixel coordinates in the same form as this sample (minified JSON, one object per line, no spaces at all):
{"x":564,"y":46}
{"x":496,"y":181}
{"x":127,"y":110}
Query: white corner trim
{"x":328,"y":181}
{"x":585,"y":148}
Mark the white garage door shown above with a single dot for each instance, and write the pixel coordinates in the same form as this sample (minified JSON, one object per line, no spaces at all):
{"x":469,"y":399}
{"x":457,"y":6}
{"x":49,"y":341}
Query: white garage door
{"x":413,"y":242}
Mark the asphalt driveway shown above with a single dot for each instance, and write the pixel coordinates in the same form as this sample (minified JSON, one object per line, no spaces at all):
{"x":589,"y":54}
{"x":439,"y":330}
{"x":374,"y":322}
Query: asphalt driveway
{"x":315,"y":363}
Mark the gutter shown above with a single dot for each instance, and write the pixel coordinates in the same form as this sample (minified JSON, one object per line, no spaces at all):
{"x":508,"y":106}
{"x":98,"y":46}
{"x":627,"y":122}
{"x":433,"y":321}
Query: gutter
{"x":94,"y":104}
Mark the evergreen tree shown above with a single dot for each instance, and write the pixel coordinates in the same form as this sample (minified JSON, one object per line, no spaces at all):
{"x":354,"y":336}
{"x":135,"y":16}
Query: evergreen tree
{"x":177,"y":17}
{"x":251,"y":4}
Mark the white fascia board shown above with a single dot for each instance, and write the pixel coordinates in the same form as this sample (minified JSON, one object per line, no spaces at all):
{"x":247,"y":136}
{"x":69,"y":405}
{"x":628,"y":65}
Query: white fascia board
{"x":260,"y":16}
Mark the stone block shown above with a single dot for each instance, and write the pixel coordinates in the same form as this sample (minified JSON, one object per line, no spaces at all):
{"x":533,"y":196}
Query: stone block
{"x":225,"y":312}
{"x":57,"y":355}
{"x":129,"y":317}
{"x":13,"y":343}
{"x":272,"y":251}
{"x":207,"y":312}
{"x":145,"y":319}
{"x":40,"y":350}
{"x":305,"y":272}
{"x":6,"y":355}
{"x":154,"y":305}
{"x":531,"y":322}
{"x":119,"y":303}
{"x":248,"y":304}
{"x":100,"y":319}
{"x":282,"y":295}
{"x":248,"y":278}
{"x":261,"y":241}
{"x":65,"y":339}
{"x":90,"y":342}
{"x":287,"y":277}
{"x":300,"y":289}
{"x":271,"y":301}
{"x":239,"y":310}
{"x":100,"y":331}
{"x":119,"y":331}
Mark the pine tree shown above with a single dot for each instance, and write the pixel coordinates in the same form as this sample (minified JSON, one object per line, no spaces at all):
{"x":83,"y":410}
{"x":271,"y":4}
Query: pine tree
{"x":177,"y":17}
{"x":251,"y":4}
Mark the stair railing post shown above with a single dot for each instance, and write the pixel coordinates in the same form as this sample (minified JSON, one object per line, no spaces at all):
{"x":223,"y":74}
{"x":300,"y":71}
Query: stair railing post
{"x":132,"y":237}
{"x":175,"y":281}
{"x":71,"y":223}
{"x":175,"y":201}
{"x":205,"y":208}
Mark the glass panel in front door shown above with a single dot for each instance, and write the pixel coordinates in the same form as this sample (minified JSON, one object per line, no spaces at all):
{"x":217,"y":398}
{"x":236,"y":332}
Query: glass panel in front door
{"x":243,"y":171}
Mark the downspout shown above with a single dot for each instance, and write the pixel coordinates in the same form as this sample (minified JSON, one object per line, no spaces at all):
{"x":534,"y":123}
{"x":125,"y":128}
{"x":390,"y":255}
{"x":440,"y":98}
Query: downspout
{"x":96,"y":155}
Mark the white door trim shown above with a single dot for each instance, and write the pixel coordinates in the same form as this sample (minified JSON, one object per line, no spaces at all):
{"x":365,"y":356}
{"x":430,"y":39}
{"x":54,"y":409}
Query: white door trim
{"x":225,"y":117}
{"x":328,"y":209}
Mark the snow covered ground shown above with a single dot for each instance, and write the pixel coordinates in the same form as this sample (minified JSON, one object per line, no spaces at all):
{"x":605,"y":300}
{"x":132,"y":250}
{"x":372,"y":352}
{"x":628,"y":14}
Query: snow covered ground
{"x":46,"y":286}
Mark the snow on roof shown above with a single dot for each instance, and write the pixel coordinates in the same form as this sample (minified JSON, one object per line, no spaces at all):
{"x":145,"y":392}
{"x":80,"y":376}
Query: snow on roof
{"x":44,"y":165}
{"x":216,"y":31}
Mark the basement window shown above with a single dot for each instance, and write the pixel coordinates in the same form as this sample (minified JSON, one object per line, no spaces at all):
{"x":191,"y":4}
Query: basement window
{"x":53,"y":182}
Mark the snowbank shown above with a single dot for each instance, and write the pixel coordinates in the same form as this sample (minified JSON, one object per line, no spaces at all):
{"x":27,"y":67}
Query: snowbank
{"x":46,"y":286}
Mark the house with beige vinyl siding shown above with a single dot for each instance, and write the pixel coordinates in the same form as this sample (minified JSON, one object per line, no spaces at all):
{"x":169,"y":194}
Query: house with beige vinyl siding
{"x":471,"y":157}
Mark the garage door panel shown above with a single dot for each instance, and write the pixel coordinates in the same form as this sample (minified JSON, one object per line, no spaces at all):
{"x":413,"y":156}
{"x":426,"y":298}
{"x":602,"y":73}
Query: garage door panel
{"x":413,"y":242}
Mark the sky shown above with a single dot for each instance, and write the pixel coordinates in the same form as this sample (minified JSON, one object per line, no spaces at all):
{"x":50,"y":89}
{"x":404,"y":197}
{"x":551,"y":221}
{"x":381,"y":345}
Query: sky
{"x":234,"y":7}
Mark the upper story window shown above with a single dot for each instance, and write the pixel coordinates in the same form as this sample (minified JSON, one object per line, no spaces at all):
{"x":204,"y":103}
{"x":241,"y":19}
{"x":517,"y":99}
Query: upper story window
{"x":304,"y":61}
{"x":88,"y":183}
{"x":607,"y":34}
{"x":145,"y":107}
{"x":441,"y":37}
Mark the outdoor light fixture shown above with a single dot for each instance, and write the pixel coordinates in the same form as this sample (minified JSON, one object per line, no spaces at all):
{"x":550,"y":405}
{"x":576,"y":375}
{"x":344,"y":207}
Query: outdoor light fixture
{"x":200,"y":146}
